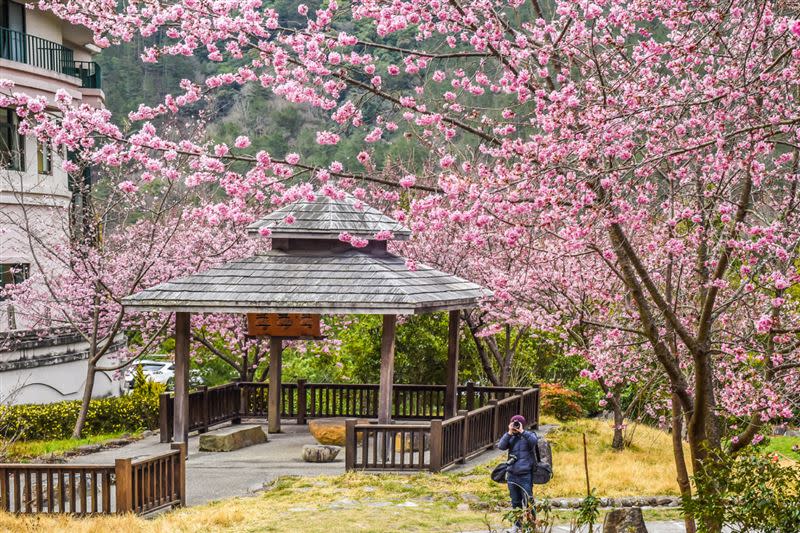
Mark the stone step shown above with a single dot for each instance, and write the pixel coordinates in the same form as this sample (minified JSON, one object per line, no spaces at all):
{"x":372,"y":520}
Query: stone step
{"x":232,"y":438}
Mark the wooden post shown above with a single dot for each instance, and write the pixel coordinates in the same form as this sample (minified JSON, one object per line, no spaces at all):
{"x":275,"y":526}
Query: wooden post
{"x":495,"y":419}
{"x":301,"y":401}
{"x":387,"y":369}
{"x":181,"y":473}
{"x":180,"y":421}
{"x":350,"y":444}
{"x":205,"y":413}
{"x":274,"y":402}
{"x":240,"y":396}
{"x":437,"y":445}
{"x":464,"y":435}
{"x":470,"y":396}
{"x":163,"y":418}
{"x":124,"y":485}
{"x":451,"y":388}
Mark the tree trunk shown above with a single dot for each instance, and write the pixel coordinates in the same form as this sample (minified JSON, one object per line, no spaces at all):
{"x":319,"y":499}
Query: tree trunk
{"x":87,"y":397}
{"x":618,"y":442}
{"x":680,"y":459}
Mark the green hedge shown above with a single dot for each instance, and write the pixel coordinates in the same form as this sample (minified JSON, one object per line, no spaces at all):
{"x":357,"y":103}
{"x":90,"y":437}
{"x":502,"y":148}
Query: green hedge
{"x":134,"y":412}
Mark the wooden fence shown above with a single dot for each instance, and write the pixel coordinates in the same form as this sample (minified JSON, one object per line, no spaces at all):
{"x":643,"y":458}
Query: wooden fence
{"x":439,"y":443}
{"x":209,"y":406}
{"x":139,"y":486}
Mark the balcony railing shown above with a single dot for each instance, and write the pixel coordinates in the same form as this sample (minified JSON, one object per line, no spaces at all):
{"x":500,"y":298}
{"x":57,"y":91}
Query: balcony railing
{"x":32,"y":50}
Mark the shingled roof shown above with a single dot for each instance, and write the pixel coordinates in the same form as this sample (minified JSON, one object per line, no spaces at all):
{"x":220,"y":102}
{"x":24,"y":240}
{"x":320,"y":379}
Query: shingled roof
{"x":326,"y":218}
{"x":285,"y":282}
{"x":323,"y":276}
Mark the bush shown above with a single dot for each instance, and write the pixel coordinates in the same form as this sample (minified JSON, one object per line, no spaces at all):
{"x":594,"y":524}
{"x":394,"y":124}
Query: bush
{"x":135,"y":412}
{"x":589,"y":395}
{"x":560,"y":402}
{"x":752,"y":490}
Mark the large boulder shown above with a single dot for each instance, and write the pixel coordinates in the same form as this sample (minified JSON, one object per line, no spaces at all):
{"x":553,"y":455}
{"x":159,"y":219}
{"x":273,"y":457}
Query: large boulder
{"x":330,"y":431}
{"x":626,"y":520}
{"x":232,"y":438}
{"x":320,"y":453}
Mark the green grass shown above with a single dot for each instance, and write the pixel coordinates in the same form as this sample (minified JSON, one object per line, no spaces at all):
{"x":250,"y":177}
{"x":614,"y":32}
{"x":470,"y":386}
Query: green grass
{"x":24,"y":451}
{"x":783,"y":446}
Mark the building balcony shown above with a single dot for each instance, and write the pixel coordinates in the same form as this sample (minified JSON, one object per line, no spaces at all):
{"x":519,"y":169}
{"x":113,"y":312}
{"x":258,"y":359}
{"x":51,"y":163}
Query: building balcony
{"x":49,"y":55}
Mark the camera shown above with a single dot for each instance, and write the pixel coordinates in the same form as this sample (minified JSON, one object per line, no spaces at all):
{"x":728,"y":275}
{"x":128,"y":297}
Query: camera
{"x":517,"y":425}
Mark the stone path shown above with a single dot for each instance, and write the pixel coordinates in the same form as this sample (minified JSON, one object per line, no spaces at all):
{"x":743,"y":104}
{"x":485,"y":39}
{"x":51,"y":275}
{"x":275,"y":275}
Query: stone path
{"x":217,"y":475}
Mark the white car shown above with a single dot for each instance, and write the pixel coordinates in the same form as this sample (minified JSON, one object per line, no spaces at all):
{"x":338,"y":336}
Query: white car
{"x":158,"y":371}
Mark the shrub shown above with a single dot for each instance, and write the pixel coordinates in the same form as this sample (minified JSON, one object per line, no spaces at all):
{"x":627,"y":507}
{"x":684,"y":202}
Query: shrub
{"x":133,"y":412}
{"x":752,"y":490}
{"x":560,"y":402}
{"x":589,"y":395}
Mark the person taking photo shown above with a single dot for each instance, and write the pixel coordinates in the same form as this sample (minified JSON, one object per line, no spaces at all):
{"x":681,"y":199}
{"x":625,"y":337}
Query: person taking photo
{"x":521,"y":446}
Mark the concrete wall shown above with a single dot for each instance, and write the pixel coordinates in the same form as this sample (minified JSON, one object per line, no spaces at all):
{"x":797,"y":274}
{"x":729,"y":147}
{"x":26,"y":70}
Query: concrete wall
{"x":51,"y":369}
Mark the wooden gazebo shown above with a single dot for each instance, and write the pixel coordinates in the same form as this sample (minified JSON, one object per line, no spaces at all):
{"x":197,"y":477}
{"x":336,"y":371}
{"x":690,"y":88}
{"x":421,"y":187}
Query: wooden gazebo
{"x":310,"y":270}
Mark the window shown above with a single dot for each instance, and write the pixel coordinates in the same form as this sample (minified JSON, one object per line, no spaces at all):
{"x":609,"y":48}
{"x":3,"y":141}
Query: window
{"x":12,"y":144}
{"x":12,"y":20}
{"x":44,"y":156}
{"x":12,"y":274}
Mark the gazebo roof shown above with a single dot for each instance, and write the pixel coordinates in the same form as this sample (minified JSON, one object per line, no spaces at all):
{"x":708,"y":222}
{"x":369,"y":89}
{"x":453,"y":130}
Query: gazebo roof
{"x":327,"y":218}
{"x":352,"y":281}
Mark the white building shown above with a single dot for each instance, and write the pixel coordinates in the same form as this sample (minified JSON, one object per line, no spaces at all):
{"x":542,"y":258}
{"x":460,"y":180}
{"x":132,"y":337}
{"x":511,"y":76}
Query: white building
{"x":40,"y":54}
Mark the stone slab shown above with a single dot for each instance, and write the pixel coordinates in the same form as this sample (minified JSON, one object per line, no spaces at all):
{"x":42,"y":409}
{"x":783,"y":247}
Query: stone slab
{"x":232,"y":438}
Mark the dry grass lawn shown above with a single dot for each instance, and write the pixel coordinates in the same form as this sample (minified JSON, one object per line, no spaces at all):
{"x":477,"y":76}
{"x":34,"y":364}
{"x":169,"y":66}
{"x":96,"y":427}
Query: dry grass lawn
{"x":363,"y":502}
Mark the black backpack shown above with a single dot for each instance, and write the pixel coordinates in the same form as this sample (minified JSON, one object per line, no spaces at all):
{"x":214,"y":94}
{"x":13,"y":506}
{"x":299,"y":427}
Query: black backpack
{"x":540,"y":474}
{"x":543,"y":471}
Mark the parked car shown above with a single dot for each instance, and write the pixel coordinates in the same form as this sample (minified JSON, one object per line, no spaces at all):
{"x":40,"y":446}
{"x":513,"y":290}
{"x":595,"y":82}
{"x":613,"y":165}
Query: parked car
{"x":158,"y":371}
{"x":196,"y":380}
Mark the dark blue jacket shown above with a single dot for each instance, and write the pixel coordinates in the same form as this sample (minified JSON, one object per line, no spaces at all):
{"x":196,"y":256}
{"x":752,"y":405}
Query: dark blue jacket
{"x":524,"y":448}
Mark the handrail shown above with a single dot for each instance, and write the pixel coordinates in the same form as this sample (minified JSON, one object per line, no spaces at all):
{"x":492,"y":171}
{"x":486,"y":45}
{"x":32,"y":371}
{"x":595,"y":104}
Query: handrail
{"x":49,"y":55}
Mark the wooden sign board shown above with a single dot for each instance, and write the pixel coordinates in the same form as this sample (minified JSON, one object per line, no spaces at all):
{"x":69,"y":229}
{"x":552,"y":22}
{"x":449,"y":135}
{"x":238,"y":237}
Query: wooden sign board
{"x":283,"y":324}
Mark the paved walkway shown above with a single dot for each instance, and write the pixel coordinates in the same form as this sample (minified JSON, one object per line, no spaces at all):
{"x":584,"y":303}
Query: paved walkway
{"x":217,"y":475}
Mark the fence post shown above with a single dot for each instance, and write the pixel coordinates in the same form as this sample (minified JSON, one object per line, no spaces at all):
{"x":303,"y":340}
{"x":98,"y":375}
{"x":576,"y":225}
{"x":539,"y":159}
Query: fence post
{"x":470,"y":396}
{"x":536,"y":398}
{"x":301,"y":401}
{"x":164,"y":422}
{"x":464,"y":436}
{"x":521,"y":402}
{"x":204,"y":404}
{"x":124,"y":485}
{"x":5,"y":504}
{"x":242,"y":400}
{"x":181,"y":481}
{"x":437,"y":446}
{"x":495,"y":419}
{"x":350,"y":444}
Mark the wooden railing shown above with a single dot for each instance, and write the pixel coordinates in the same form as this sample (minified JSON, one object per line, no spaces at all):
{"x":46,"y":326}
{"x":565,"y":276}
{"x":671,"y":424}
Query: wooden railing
{"x":142,"y":486}
{"x":439,"y":443}
{"x":388,"y":446}
{"x":209,"y":406}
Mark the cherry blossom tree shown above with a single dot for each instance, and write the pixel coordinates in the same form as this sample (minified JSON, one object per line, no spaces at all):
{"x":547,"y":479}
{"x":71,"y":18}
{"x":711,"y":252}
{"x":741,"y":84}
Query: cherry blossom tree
{"x":658,"y":139}
{"x":125,"y":240}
